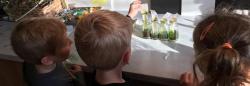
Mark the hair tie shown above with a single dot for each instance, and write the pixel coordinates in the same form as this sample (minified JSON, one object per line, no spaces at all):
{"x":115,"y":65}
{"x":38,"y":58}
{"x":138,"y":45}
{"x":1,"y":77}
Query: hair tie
{"x":227,"y":45}
{"x":204,"y":32}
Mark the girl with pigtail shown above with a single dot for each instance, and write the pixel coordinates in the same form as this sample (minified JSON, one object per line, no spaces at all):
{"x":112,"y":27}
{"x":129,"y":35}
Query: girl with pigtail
{"x":222,"y":51}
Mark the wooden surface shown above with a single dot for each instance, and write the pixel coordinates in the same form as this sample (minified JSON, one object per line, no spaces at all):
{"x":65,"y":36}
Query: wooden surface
{"x":10,"y":66}
{"x":11,"y":73}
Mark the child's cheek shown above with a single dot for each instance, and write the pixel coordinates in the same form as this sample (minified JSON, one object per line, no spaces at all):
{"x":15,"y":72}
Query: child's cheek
{"x":65,"y":53}
{"x":66,"y":50}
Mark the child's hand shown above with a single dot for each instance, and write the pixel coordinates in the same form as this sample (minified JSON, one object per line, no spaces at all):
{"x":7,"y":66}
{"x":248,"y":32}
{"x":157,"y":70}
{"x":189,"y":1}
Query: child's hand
{"x":187,"y":79}
{"x":75,"y":69}
{"x":134,"y":8}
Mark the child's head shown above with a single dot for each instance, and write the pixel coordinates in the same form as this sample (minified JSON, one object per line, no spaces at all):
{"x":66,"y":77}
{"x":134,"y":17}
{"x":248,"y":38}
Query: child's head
{"x":103,"y":39}
{"x":222,"y":49}
{"x":41,"y":40}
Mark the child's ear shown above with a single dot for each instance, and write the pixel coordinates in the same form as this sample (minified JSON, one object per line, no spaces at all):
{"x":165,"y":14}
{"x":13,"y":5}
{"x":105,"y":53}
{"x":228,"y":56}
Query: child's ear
{"x":126,"y":56}
{"x":47,"y":60}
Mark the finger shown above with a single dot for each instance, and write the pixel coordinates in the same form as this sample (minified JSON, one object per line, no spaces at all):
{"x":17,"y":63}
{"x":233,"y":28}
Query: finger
{"x":139,"y":6}
{"x":183,"y":79}
{"x":72,"y":71}
{"x":182,"y":76}
{"x":188,"y":77}
{"x":185,"y":76}
{"x":137,"y":2}
{"x":76,"y":67}
{"x":191,"y":77}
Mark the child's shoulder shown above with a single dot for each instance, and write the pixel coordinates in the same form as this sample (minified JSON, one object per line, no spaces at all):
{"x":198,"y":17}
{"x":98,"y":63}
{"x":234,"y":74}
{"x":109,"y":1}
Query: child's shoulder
{"x":57,"y":77}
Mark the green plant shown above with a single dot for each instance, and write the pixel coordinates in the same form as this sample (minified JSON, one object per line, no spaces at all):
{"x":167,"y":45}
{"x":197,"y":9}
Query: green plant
{"x":146,"y":30}
{"x":172,"y":33}
{"x":163,"y":30}
{"x":154,"y":32}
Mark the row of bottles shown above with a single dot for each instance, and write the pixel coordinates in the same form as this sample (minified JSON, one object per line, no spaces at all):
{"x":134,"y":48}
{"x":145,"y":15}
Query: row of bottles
{"x":155,"y":28}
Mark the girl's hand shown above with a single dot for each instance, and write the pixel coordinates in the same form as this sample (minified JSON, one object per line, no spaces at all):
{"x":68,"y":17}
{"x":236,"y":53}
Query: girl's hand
{"x":75,"y":69}
{"x":134,"y":8}
{"x":187,"y":79}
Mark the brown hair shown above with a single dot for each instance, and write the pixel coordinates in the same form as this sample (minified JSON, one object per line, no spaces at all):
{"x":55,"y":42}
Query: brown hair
{"x":35,"y":38}
{"x":220,"y":65}
{"x":102,"y":37}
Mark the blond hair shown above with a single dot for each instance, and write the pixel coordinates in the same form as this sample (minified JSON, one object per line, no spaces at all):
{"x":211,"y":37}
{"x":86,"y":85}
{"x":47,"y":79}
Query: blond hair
{"x":102,"y":37}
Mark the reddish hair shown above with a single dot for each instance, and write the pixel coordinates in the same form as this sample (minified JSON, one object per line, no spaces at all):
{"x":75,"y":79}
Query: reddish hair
{"x":35,"y":38}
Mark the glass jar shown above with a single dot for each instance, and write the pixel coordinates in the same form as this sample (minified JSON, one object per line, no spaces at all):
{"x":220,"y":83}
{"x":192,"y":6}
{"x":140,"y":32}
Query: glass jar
{"x":163,"y":31}
{"x":146,"y":29}
{"x":155,"y":30}
{"x":172,"y":32}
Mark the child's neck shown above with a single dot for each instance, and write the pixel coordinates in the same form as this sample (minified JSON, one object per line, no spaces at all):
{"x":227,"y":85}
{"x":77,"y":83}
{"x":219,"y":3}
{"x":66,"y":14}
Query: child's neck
{"x":45,"y":68}
{"x":105,"y":77}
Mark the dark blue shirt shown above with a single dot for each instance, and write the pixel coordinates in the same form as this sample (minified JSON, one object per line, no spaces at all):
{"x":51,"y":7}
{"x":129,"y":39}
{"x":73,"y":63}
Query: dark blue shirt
{"x":57,"y":77}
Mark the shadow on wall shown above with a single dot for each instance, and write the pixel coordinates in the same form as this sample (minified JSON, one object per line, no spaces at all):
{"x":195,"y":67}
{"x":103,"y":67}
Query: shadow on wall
{"x":236,"y":4}
{"x":197,"y":10}
{"x":163,"y":6}
{"x":206,"y":6}
{"x":242,"y":4}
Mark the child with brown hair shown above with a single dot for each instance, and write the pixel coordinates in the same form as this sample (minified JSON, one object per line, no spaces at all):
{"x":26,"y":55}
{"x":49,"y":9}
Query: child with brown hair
{"x":43,"y":44}
{"x":222,"y":51}
{"x":103,"y":41}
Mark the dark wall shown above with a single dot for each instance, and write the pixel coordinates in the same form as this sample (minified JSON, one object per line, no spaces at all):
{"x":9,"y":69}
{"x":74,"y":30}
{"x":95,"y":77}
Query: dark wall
{"x":163,"y":6}
{"x":243,"y":4}
{"x":236,"y":4}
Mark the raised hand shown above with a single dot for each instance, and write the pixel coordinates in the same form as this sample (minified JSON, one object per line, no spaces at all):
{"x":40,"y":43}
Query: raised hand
{"x":134,"y":8}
